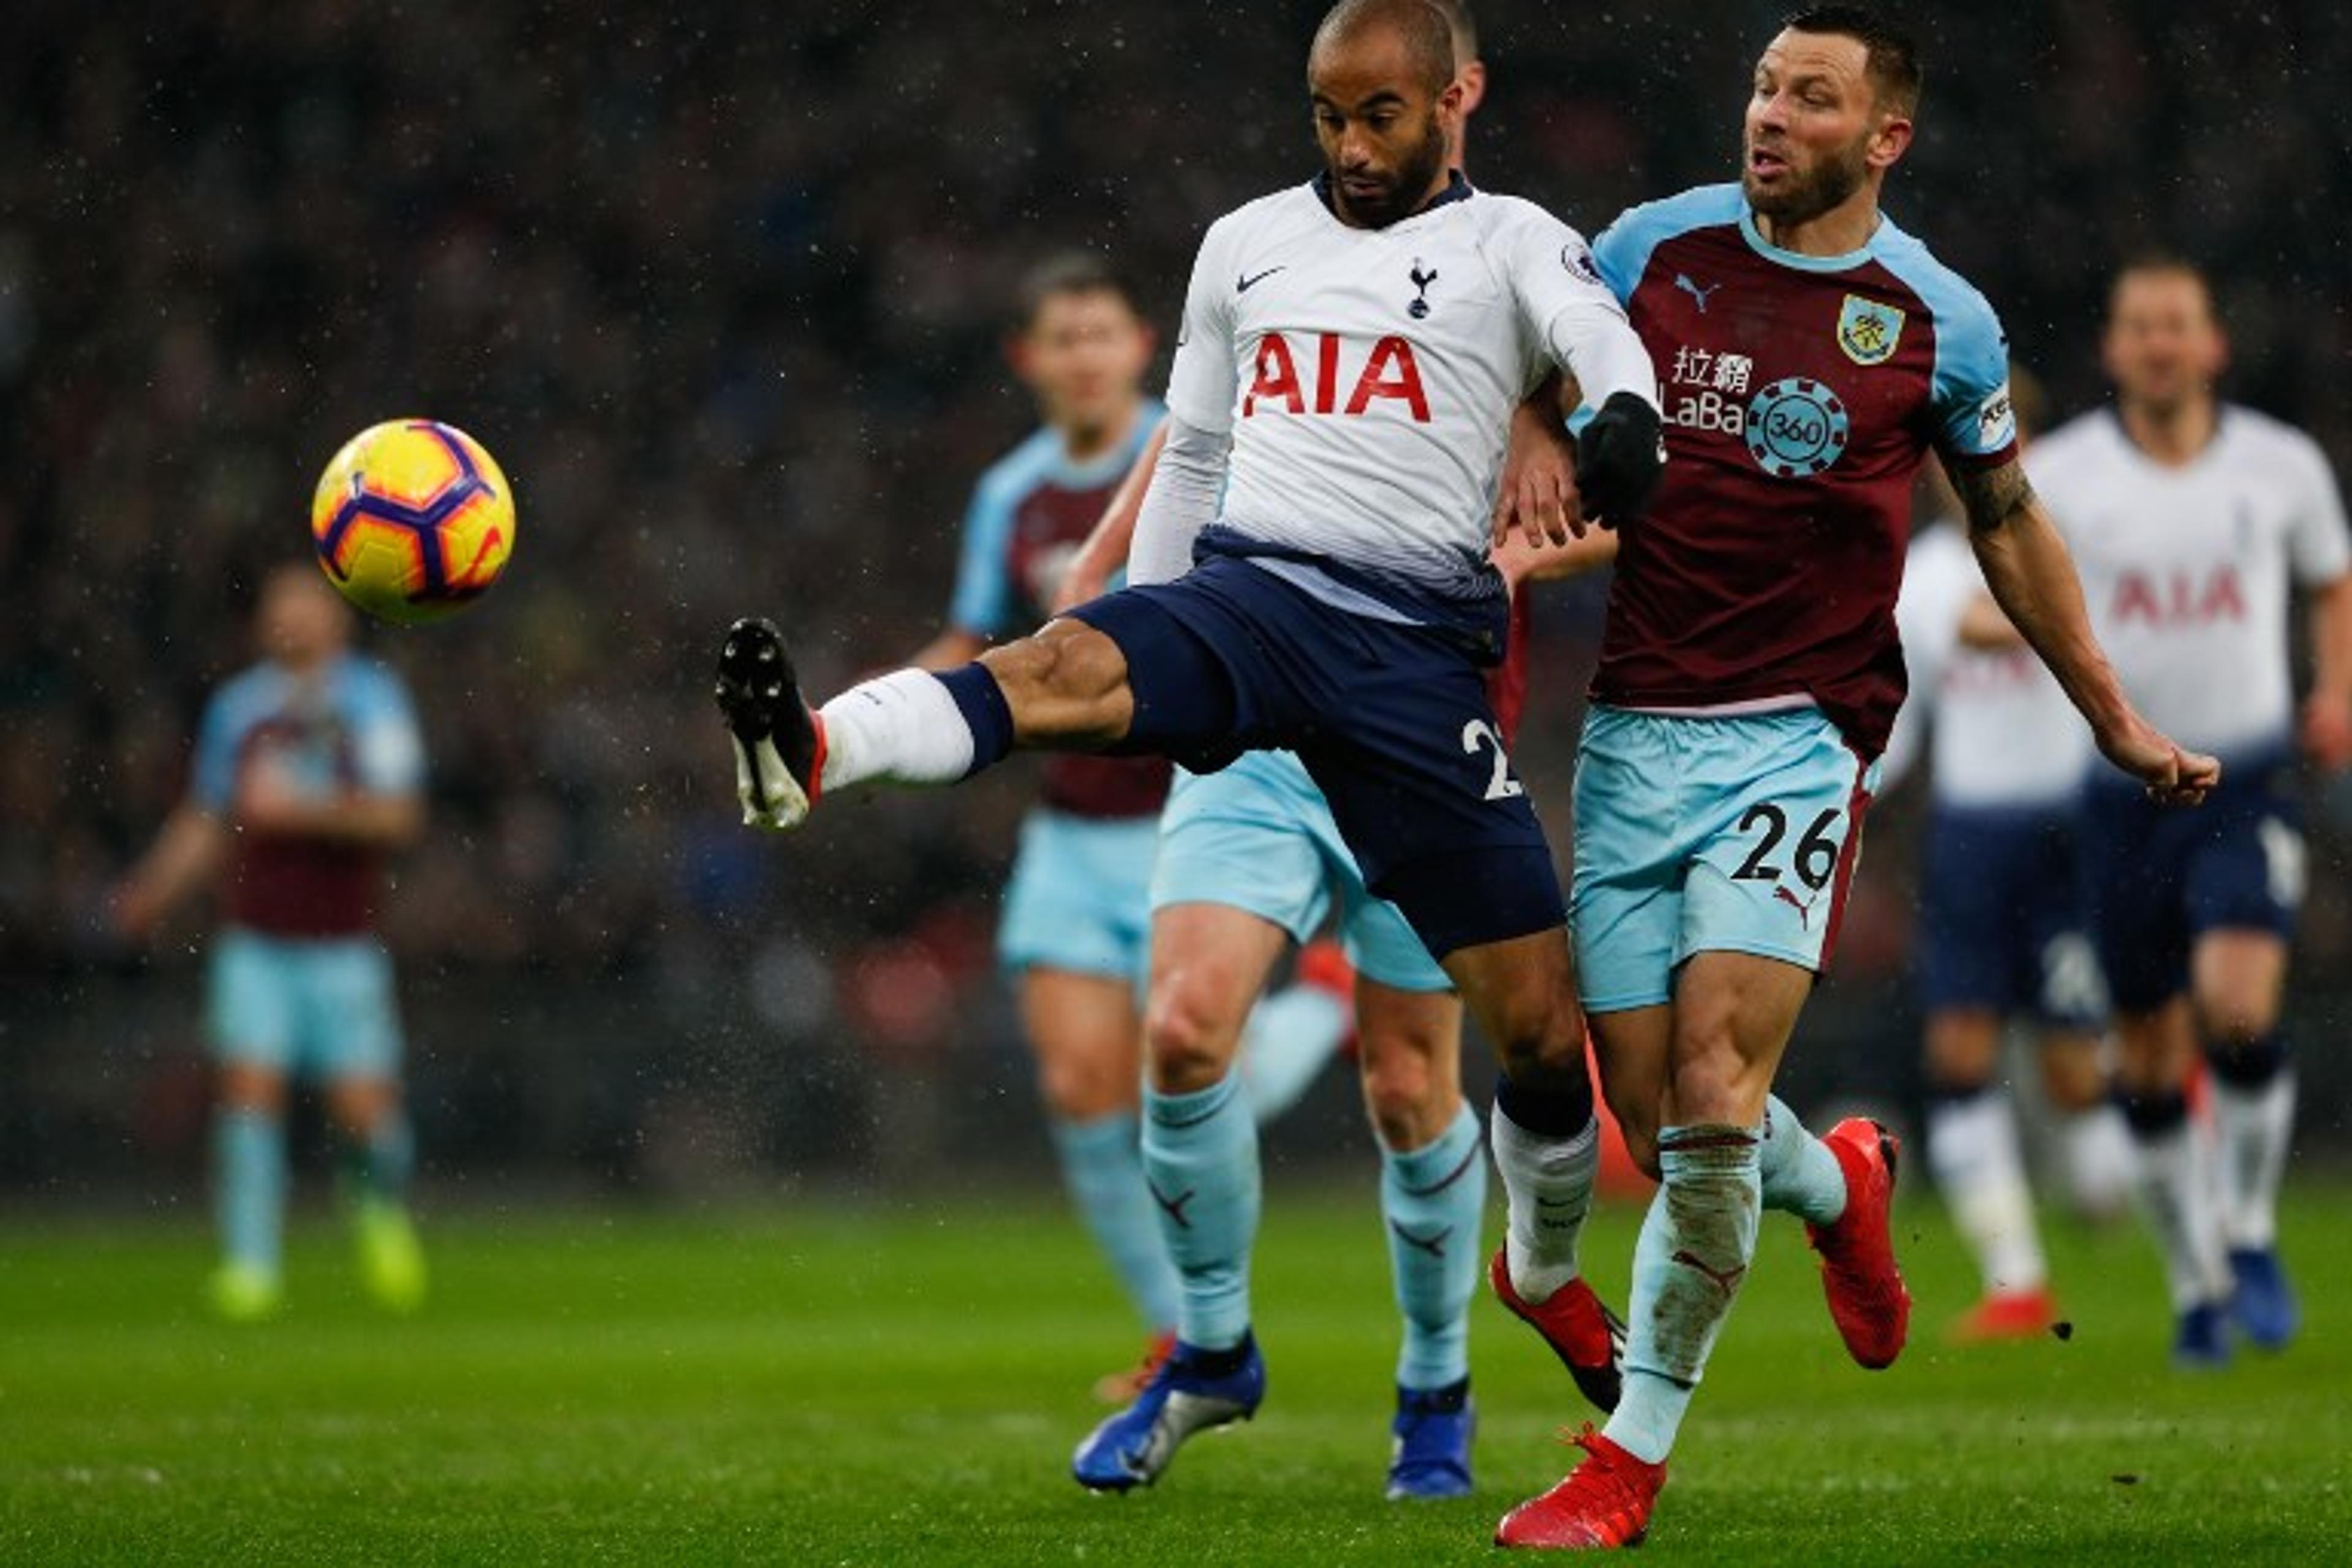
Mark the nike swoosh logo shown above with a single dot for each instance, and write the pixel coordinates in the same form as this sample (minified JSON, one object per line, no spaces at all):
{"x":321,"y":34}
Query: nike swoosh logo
{"x":1245,"y":283}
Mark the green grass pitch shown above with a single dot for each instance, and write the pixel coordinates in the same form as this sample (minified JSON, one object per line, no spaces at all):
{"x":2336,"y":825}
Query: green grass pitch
{"x":902,"y":1381}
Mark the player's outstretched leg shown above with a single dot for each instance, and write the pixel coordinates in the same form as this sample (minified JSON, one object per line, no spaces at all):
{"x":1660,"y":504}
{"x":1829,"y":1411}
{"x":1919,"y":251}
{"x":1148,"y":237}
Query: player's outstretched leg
{"x":2178,"y":1190}
{"x":779,"y":741}
{"x":2253,"y":1122}
{"x":1972,"y":1149}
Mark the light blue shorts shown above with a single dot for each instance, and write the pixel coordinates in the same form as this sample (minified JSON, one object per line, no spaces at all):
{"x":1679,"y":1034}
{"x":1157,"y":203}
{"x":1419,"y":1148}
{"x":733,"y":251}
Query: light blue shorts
{"x":320,"y":1008}
{"x":1258,"y":837}
{"x":1720,"y":834}
{"x":1081,"y":898}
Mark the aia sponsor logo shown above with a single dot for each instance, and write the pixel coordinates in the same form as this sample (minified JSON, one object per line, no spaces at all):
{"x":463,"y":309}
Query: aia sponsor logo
{"x":2179,"y":598}
{"x":1388,"y":373}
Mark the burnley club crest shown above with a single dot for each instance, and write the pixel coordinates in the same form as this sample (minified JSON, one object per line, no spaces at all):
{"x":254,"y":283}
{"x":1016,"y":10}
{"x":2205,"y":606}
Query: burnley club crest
{"x":1868,"y":331}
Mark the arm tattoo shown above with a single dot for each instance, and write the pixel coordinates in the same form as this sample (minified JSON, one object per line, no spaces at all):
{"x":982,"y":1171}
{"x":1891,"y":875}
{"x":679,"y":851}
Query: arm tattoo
{"x":1992,"y":497}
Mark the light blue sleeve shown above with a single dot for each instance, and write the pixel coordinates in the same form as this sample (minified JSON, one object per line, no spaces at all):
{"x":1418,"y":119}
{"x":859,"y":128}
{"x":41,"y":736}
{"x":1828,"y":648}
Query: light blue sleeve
{"x":984,"y":604}
{"x":1623,"y":251}
{"x":1969,"y":398}
{"x":216,"y":741}
{"x":387,"y":745}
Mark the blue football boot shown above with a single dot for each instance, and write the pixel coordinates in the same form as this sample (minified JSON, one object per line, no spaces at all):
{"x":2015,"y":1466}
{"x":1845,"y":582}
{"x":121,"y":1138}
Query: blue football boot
{"x":1192,"y":1391}
{"x":2201,"y":1339}
{"x":1433,"y":1429}
{"x":2264,"y":1306}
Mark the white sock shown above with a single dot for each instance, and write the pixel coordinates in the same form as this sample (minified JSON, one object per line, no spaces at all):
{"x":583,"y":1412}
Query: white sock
{"x":904,"y":727}
{"x":2101,"y":1165}
{"x":1972,"y":1150}
{"x":1549,"y":1183}
{"x":2255,"y":1127}
{"x":2178,"y":1193}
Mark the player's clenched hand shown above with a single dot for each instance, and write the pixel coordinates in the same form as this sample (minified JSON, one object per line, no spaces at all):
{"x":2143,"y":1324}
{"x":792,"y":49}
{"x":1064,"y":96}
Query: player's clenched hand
{"x":2173,"y":776}
{"x":1537,"y":490}
{"x":1619,"y":460}
{"x":2327,"y":730}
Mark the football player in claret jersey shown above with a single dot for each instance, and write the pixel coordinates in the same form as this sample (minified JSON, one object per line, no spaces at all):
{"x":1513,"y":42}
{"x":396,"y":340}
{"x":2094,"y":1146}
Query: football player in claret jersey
{"x":1311,"y":573}
{"x":1810,"y":353}
{"x":2002,"y":931}
{"x":1250,"y":861}
{"x":309,"y":770}
{"x":2195,"y":521}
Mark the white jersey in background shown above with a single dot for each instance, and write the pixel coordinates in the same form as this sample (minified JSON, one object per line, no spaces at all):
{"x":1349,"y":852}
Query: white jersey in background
{"x":1367,"y":377}
{"x":2188,"y":570}
{"x":2002,"y":731}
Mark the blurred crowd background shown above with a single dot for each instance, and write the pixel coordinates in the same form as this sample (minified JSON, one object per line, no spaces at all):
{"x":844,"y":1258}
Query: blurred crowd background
{"x":723,"y":289}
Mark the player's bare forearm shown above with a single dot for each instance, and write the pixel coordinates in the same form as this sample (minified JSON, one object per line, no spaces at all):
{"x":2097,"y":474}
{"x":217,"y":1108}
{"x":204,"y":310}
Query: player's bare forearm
{"x":1105,"y":548}
{"x":2026,"y":566}
{"x":2327,"y":711}
{"x":2032,"y":579}
{"x":369,"y":821}
{"x":184,"y":856}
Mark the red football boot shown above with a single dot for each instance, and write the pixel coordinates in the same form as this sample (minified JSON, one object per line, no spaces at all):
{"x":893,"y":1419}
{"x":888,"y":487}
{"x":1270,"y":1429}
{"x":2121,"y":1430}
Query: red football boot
{"x":1868,"y":1301}
{"x":1605,"y":1502}
{"x":2007,"y":1315}
{"x":1589,"y":1339}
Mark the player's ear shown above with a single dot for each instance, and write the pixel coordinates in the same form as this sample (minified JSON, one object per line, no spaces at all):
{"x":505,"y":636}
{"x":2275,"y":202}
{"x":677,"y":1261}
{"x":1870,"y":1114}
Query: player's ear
{"x":1472,"y":79}
{"x":1018,"y":357}
{"x":1889,"y":140}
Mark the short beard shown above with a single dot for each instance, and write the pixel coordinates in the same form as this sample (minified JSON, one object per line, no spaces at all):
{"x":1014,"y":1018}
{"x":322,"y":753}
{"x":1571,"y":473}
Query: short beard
{"x":1828,"y":186}
{"x":1405,"y":190}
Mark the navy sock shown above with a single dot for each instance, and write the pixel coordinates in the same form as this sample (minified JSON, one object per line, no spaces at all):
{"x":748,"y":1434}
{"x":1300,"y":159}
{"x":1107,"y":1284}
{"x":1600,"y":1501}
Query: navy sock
{"x":981,"y":702}
{"x":2248,"y":1065}
{"x":2152,"y":1115}
{"x":1550,"y":1111}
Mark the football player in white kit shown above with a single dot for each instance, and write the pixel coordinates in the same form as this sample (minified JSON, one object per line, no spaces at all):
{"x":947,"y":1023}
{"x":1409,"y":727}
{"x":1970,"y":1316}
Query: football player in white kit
{"x":1311,"y":574}
{"x":2193,"y":523}
{"x":2001,"y":920}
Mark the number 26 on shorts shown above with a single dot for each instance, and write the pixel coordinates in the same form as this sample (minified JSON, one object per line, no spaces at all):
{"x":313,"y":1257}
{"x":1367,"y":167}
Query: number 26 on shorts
{"x":1814,"y":858}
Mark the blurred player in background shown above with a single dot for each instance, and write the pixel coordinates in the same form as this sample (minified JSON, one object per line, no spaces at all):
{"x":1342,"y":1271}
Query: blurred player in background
{"x":1076,"y":924}
{"x":1250,"y":862}
{"x":2195,"y":523}
{"x":2003,"y":931}
{"x":308,"y":771}
{"x":1339,"y":405}
{"x":1811,"y":354}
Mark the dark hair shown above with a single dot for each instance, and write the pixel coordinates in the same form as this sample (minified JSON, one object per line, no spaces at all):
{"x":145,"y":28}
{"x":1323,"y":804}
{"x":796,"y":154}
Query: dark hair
{"x":1423,"y":25}
{"x":2157,"y":262}
{"x":1893,"y":60}
{"x":1068,"y":272}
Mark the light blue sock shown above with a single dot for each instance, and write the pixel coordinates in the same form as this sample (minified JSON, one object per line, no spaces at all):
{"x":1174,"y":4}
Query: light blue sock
{"x":381,"y":1164}
{"x":1200,"y":1154}
{"x":1697,"y":1243}
{"x":249,"y":1186}
{"x":1288,"y":1038}
{"x":1434,"y":1198}
{"x":1801,"y":1176}
{"x":1102,"y":1167}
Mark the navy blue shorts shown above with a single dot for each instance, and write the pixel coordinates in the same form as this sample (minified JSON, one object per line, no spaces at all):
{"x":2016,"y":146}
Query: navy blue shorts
{"x":1392,"y":719}
{"x":2161,"y":877}
{"x":2003,"y":921}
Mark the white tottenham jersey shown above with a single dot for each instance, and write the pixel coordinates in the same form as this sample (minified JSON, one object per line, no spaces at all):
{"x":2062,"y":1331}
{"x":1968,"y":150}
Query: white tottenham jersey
{"x":1367,"y":377}
{"x":2188,"y":569}
{"x":2002,"y":733}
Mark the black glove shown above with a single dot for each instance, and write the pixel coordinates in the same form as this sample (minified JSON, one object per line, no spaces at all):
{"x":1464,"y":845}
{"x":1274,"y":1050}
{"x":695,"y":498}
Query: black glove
{"x":1619,"y":460}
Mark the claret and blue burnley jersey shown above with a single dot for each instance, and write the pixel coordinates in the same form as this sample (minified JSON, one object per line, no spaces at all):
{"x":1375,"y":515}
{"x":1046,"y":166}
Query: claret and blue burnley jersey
{"x":1029,"y":513}
{"x":349,"y":729}
{"x":1800,"y":394}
